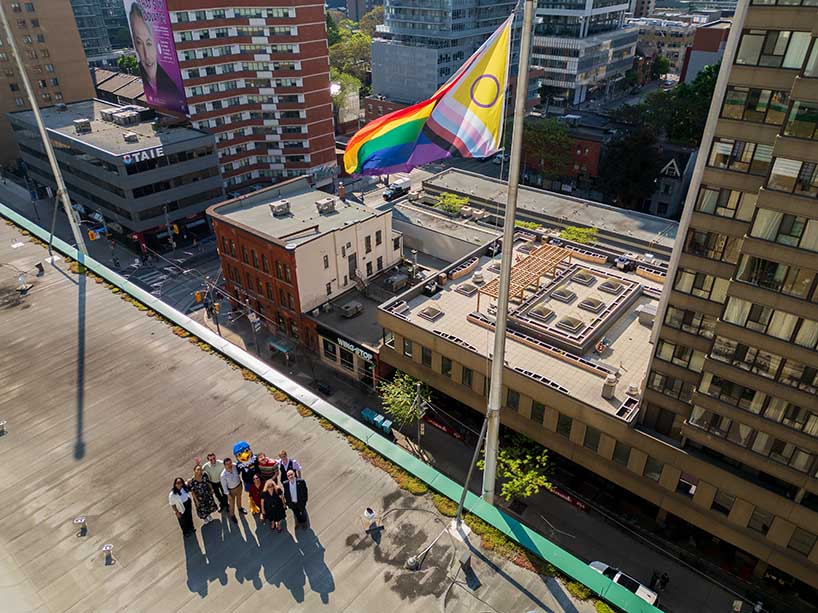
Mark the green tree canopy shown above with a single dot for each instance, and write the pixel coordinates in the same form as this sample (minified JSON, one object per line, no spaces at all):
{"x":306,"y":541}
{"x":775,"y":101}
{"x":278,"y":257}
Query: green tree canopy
{"x":352,"y":55}
{"x":128,"y":63}
{"x":451,"y":203}
{"x":629,"y":167}
{"x":522,"y":465}
{"x":347,"y":82}
{"x":333,"y":34}
{"x":370,"y":20}
{"x":661,"y":66}
{"x":678,"y":114}
{"x":399,"y":398}
{"x":546,"y":146}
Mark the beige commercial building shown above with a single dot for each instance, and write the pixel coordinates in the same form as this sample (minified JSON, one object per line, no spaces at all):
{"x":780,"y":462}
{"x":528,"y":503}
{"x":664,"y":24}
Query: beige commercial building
{"x":47,"y":37}
{"x":718,"y":428}
{"x":669,"y":39}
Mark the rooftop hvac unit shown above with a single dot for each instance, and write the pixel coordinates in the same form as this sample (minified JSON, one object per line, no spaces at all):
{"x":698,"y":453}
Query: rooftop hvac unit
{"x":130,"y":137}
{"x":60,"y":106}
{"x":107,"y":114}
{"x":156,"y":124}
{"x":325,"y":205}
{"x":466,"y":211}
{"x":280,"y":208}
{"x":126,"y":118}
{"x":81,"y":126}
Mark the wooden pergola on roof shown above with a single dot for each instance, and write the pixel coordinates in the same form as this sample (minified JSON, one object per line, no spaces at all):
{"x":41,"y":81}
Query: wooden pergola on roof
{"x":540,"y":262}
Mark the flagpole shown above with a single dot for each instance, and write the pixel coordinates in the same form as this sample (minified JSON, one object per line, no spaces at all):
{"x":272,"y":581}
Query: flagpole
{"x":498,"y":358}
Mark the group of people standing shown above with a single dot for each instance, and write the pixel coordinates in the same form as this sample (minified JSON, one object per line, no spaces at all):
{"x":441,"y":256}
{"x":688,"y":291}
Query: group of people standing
{"x":272,"y":486}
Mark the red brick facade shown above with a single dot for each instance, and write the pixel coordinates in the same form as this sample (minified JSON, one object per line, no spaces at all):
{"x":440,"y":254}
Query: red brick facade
{"x":277,"y":94}
{"x":264,"y":273}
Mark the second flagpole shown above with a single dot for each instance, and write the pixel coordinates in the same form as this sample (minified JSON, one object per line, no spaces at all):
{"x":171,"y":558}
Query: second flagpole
{"x":498,"y":357}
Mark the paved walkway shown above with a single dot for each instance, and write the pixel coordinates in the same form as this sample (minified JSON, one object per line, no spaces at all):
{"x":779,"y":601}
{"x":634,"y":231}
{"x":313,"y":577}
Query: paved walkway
{"x":105,"y":406}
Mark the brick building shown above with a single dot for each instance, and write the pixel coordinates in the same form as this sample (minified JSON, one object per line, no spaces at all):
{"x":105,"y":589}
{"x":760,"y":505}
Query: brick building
{"x":49,"y":42}
{"x":258,"y":77}
{"x":287,"y":250}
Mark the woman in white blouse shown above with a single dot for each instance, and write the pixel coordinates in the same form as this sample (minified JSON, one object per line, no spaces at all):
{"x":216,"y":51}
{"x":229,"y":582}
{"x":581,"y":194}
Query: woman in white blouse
{"x":182,"y":505}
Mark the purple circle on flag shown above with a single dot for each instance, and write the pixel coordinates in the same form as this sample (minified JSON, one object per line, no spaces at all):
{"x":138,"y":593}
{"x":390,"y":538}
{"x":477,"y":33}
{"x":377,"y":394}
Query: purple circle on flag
{"x":496,"y":93}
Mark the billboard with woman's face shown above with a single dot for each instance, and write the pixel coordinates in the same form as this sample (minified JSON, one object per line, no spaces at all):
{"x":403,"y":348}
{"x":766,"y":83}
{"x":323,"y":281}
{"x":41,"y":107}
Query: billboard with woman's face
{"x":158,"y":65}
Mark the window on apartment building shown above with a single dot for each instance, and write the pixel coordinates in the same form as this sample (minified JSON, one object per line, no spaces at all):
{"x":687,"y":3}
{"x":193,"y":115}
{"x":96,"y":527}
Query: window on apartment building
{"x":592,"y":436}
{"x":290,"y":301}
{"x":726,"y":203}
{"x":389,"y":338}
{"x":367,"y":244}
{"x":802,"y":121}
{"x":701,"y":284}
{"x":426,"y":356}
{"x":282,"y":297}
{"x":330,"y":350}
{"x":270,"y":295}
{"x":740,"y":156}
{"x":790,"y":280}
{"x":279,"y":274}
{"x":329,"y":289}
{"x":255,"y":258}
{"x":378,"y":237}
{"x":794,"y":177}
{"x":513,"y":399}
{"x":407,"y":348}
{"x":713,"y":245}
{"x":466,"y":376}
{"x":14,"y":87}
{"x":773,"y":48}
{"x":653,"y":469}
{"x":722,"y":502}
{"x":564,"y":425}
{"x":265,"y":264}
{"x":244,"y":256}
{"x":760,"y":521}
{"x":786,"y":229}
{"x":621,"y":453}
{"x":445,"y":366}
{"x":369,"y":269}
{"x":690,"y":321}
{"x":802,"y":541}
{"x":755,"y":105}
{"x":680,"y":355}
{"x":326,"y":262}
{"x":29,"y":7}
{"x":287,"y":274}
{"x":396,"y":244}
{"x":259,"y":287}
{"x":537,"y":412}
{"x":19,"y":102}
{"x":379,"y":263}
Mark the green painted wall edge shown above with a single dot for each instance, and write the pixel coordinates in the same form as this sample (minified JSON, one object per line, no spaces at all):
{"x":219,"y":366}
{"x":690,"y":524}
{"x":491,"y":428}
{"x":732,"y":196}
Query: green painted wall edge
{"x":526,"y":537}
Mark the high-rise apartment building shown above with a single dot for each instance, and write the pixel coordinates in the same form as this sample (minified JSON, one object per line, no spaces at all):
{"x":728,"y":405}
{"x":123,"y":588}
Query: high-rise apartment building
{"x":258,"y":77}
{"x":584,"y":46}
{"x":91,"y":25}
{"x":734,"y":377}
{"x":421,"y":44}
{"x":47,"y":37}
{"x":643,"y":8}
{"x":116,"y":22}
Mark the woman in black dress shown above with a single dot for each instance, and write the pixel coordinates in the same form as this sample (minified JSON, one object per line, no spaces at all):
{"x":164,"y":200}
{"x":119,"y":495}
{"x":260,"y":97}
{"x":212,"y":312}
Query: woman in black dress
{"x":272,"y":505}
{"x":182,"y":505}
{"x":202,"y":493}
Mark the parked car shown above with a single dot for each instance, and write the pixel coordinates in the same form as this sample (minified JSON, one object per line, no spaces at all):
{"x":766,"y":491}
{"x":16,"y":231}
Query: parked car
{"x":397,"y":189}
{"x":626,"y":581}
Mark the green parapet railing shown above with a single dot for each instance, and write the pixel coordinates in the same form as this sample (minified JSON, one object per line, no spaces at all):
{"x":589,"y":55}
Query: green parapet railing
{"x":534,"y":542}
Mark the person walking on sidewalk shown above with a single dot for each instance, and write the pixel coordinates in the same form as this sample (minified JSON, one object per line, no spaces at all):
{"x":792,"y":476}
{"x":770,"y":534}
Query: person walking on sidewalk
{"x":231,"y":483}
{"x":202,"y":494}
{"x":295,"y":493}
{"x":182,"y":506}
{"x":213,"y":470}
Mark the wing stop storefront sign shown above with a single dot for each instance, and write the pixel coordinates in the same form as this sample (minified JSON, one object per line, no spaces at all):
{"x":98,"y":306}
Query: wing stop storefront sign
{"x":348,"y":357}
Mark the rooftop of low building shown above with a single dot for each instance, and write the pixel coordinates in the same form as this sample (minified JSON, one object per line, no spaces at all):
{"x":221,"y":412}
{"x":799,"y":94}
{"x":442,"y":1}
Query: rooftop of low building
{"x":572,"y":321}
{"x":302,"y":220}
{"x":108,"y":136}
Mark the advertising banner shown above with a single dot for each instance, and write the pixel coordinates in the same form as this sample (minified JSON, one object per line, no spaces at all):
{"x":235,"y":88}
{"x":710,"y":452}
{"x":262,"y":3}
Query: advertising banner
{"x":152,"y":37}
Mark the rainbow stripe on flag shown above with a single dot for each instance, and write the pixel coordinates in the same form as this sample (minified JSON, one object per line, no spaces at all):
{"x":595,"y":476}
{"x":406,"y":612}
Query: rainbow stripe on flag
{"x":464,"y":117}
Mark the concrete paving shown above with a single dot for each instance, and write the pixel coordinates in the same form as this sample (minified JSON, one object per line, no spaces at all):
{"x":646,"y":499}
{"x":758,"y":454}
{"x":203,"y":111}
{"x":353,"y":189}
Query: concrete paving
{"x":105,"y":406}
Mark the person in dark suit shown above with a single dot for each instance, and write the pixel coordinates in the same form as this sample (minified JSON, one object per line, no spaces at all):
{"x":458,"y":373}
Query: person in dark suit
{"x":295,"y":493}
